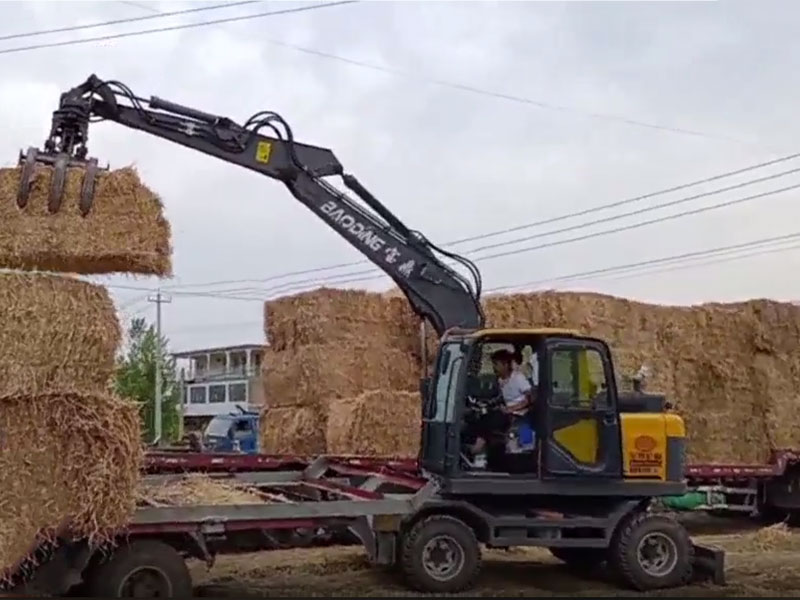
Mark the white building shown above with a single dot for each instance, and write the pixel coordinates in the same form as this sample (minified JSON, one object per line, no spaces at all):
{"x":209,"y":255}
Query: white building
{"x":215,"y":380}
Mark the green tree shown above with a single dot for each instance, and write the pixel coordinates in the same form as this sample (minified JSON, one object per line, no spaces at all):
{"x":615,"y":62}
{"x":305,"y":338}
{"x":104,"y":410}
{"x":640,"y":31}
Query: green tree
{"x":136,"y":379}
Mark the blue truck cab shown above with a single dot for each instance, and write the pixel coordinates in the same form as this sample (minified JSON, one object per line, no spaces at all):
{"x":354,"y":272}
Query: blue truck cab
{"x":233,"y":432}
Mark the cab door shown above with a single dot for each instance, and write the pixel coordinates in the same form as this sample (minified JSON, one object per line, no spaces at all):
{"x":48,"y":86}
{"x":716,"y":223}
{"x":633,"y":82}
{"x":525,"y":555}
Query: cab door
{"x":439,"y":451}
{"x":582,"y":429}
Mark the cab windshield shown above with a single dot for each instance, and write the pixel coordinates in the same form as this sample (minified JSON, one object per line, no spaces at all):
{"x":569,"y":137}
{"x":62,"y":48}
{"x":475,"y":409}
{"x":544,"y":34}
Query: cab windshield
{"x":218,"y":427}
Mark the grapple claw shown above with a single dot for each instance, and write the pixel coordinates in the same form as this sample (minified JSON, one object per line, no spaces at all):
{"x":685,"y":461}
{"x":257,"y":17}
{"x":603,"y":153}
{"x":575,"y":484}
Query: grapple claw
{"x":60,"y":163}
{"x":28,"y":163}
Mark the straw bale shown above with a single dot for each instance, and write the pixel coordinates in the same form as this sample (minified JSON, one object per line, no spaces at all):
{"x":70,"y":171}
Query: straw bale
{"x":197,"y":489}
{"x":312,"y":375}
{"x":293,"y":430}
{"x":57,"y":334}
{"x":68,"y":462}
{"x":125,"y":232}
{"x":330,"y":315}
{"x":732,"y":370}
{"x":376,"y":423}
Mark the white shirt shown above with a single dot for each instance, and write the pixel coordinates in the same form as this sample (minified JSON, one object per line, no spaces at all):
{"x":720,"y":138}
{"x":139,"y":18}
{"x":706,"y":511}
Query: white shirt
{"x":514,"y":388}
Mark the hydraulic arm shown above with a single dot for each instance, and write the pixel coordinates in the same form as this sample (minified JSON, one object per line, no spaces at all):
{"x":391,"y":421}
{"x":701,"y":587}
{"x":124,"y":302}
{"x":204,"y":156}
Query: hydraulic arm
{"x":435,"y":289}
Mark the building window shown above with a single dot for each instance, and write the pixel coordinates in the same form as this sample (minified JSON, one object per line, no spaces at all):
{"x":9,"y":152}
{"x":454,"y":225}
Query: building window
{"x":237,"y":393}
{"x":216,"y":394}
{"x":197,"y":395}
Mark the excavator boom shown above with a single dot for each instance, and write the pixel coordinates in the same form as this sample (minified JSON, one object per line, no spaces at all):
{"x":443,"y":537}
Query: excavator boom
{"x":436,"y":290}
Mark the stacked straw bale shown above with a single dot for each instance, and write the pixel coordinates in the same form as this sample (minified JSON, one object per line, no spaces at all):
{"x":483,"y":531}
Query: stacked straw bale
{"x":70,"y":450}
{"x":332,"y":357}
{"x":67,"y":462}
{"x":731,"y":370}
{"x":125,"y":231}
{"x":58,"y":334}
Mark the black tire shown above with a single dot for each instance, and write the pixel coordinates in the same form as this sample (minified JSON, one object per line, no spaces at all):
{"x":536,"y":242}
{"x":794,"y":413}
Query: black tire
{"x":583,"y":559}
{"x":667,"y":541}
{"x":440,"y":534}
{"x":142,"y":559}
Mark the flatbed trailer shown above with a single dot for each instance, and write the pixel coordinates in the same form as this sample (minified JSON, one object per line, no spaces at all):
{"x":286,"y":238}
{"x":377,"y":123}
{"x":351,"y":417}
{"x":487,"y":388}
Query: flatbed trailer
{"x":387,"y":504}
{"x":768,"y":491}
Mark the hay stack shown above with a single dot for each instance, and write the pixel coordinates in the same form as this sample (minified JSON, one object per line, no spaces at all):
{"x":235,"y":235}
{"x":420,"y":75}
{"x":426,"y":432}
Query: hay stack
{"x":125,"y":232}
{"x":376,"y":423}
{"x":328,"y":315}
{"x":67,"y":460}
{"x":732,"y":370}
{"x":58,"y":334}
{"x":293,"y":430}
{"x":311,"y":375}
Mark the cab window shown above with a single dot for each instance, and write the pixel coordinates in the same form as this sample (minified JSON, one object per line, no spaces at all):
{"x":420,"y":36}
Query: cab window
{"x":449,"y":366}
{"x":578,"y":378}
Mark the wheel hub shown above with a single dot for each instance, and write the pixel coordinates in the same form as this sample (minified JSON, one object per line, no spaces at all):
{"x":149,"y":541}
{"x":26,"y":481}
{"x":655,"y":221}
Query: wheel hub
{"x":657,"y":554}
{"x":146,"y":582}
{"x":442,"y":558}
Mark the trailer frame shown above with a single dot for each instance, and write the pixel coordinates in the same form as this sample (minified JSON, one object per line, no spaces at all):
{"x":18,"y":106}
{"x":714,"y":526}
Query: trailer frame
{"x":383,"y":503}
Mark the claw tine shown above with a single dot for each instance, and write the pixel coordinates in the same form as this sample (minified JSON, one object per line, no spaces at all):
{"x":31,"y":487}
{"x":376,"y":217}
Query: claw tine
{"x":87,"y":189}
{"x":26,"y":177}
{"x":57,"y":184}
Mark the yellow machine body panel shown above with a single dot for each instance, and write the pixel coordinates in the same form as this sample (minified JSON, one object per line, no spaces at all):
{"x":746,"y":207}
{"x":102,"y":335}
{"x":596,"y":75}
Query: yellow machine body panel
{"x":581,"y":439}
{"x":653,"y":445}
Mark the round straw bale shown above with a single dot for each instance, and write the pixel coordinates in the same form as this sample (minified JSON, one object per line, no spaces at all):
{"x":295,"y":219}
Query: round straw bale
{"x":57,"y":334}
{"x":69,"y":466}
{"x":125,"y":232}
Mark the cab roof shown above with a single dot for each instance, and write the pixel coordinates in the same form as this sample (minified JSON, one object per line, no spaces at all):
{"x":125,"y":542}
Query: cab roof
{"x":509,"y":332}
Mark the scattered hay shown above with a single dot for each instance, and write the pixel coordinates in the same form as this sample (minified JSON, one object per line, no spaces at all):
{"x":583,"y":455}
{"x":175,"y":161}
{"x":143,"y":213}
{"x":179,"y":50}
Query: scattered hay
{"x":57,"y":334}
{"x":312,"y":375}
{"x":293,"y":430}
{"x":69,"y":464}
{"x":125,"y":232}
{"x":197,"y":489}
{"x":376,"y":423}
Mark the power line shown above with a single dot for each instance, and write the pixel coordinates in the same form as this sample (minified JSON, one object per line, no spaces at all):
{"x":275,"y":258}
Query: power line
{"x":127,"y":34}
{"x":494,"y":233}
{"x":399,"y":72}
{"x":641,"y":223}
{"x":158,"y":15}
{"x":500,"y":95}
{"x":657,"y":261}
{"x":364,"y":275}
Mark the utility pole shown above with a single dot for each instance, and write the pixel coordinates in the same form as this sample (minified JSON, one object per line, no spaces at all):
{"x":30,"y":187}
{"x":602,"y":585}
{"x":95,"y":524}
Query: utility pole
{"x":158,"y":299}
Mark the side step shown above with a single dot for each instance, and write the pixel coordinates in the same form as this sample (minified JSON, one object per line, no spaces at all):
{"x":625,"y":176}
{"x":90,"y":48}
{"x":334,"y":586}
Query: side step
{"x":709,"y":564}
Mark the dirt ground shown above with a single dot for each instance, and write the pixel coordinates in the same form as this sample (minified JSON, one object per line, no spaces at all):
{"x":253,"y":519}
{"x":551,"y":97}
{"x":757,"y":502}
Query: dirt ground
{"x":760,"y":562}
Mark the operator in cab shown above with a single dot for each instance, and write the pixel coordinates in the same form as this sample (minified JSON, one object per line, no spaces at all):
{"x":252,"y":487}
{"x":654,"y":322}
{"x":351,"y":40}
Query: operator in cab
{"x":514,"y":386}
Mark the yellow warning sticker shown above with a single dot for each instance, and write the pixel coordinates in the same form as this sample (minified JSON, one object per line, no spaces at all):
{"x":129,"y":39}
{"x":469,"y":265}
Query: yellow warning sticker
{"x":263,"y":152}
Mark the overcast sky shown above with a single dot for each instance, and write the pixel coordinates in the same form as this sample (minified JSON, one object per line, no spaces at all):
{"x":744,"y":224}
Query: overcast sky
{"x":717,"y":82}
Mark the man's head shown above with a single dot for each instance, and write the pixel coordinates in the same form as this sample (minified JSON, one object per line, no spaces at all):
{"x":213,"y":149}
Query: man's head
{"x":502,"y":362}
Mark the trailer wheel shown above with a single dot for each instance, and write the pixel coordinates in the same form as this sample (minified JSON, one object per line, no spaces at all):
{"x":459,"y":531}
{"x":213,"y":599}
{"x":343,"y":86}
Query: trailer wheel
{"x":440,"y":554}
{"x":142,"y":569}
{"x":584,"y":559}
{"x":651,"y":551}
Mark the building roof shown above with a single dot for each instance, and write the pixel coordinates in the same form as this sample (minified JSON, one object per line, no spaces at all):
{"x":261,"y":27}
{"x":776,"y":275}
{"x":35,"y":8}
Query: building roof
{"x":192,"y":353}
